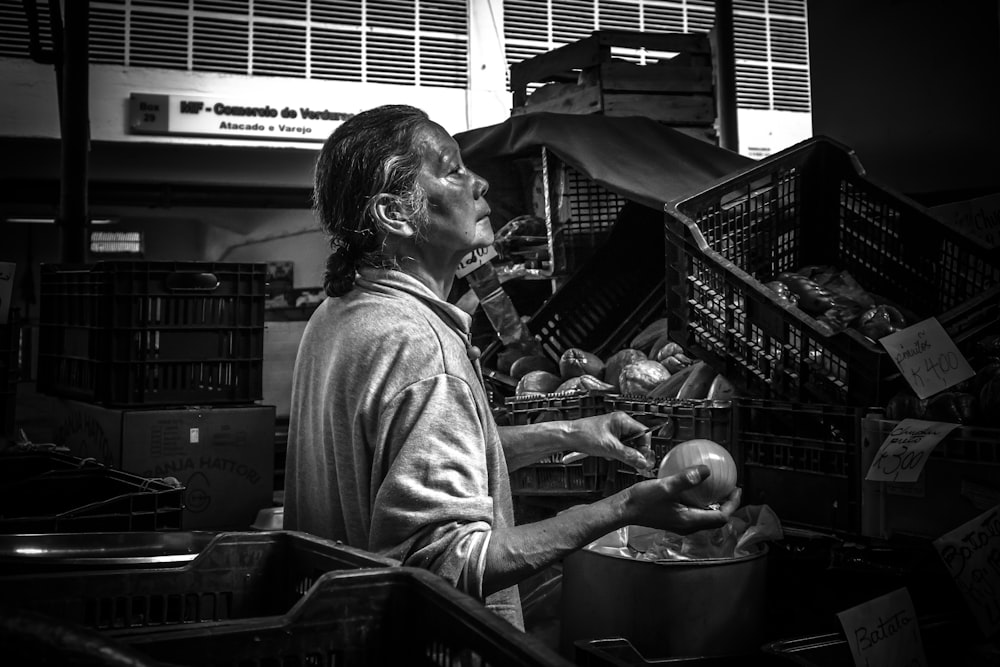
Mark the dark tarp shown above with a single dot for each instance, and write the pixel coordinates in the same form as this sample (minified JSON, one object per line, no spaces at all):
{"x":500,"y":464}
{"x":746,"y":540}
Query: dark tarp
{"x":638,"y":158}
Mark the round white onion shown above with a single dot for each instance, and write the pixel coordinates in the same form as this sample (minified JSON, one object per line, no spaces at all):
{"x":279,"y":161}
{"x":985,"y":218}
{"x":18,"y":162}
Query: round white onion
{"x":717,"y":486}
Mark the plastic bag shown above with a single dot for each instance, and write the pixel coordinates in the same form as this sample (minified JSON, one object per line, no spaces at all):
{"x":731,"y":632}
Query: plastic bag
{"x":748,"y":527}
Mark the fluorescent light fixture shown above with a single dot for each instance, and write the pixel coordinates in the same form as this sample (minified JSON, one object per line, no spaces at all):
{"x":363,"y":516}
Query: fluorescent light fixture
{"x":50,"y":221}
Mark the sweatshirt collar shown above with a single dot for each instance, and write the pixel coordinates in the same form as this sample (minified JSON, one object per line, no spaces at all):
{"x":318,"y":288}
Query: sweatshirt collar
{"x":391,"y":279}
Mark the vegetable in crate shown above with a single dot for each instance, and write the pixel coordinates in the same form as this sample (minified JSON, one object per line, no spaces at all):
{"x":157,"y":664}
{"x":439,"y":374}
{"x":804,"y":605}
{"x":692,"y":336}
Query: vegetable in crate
{"x":709,"y":453}
{"x":619,"y":360}
{"x":879,"y":321}
{"x":698,"y":383}
{"x":672,"y":385}
{"x":641,"y":377}
{"x":905,"y":404}
{"x":645,"y":339}
{"x":812,"y":298}
{"x":785,"y":295}
{"x":670,"y":354}
{"x":584,"y":383}
{"x":532,"y":362}
{"x":575,"y":361}
{"x":538,"y":382}
{"x":953,"y":407}
{"x":989,"y":400}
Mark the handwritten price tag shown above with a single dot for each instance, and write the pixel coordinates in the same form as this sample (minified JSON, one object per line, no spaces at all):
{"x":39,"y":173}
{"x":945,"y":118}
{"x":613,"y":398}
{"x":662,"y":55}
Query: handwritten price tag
{"x":927,"y":357}
{"x":971,"y":553}
{"x":884,"y":632}
{"x":6,"y":289}
{"x":903,"y":455}
{"x":474,"y":260}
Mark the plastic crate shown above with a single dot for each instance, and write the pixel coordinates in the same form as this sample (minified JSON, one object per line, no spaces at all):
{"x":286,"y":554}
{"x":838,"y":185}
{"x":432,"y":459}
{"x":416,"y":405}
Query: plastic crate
{"x":802,"y":459}
{"x":9,"y":375}
{"x":385,"y":616}
{"x":42,"y":494}
{"x":549,"y":476}
{"x":619,"y":652}
{"x":152,"y":333}
{"x":960,"y":481}
{"x":611,"y":298}
{"x":236,"y":576}
{"x":677,"y":420}
{"x":812,"y":204}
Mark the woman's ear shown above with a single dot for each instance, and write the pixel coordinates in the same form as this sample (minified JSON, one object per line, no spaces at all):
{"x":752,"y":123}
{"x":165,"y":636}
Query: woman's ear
{"x":390,"y":216}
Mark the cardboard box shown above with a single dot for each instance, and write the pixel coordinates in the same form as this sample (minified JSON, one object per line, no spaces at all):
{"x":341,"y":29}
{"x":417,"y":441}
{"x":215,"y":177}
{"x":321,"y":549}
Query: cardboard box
{"x":224,"y":456}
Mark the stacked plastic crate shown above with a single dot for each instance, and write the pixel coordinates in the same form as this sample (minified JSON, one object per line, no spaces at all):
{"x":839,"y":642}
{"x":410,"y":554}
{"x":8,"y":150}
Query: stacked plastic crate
{"x":817,"y":416}
{"x":160,"y":365}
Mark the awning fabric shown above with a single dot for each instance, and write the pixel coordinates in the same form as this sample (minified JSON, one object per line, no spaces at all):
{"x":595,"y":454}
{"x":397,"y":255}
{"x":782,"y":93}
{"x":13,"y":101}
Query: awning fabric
{"x":636,"y":157}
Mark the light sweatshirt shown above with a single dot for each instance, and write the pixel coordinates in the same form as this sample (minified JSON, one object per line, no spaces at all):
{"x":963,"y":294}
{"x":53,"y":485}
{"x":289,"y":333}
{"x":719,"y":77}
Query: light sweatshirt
{"x":392,"y":446}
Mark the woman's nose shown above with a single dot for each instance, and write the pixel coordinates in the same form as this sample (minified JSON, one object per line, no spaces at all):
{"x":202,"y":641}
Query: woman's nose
{"x":482,"y":185}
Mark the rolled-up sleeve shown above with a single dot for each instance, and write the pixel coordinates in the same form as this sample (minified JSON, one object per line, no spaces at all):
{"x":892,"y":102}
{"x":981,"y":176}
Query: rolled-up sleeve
{"x":432,"y":507}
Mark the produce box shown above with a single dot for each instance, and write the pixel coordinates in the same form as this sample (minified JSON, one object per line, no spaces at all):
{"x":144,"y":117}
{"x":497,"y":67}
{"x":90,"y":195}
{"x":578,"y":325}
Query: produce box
{"x":382,"y":616}
{"x":51,"y":492}
{"x":959,"y":481}
{"x":812,"y":204}
{"x":802,"y":459}
{"x":664,"y":76}
{"x":223,"y":455}
{"x":237,"y":576}
{"x":126,"y":333}
{"x":677,"y":420}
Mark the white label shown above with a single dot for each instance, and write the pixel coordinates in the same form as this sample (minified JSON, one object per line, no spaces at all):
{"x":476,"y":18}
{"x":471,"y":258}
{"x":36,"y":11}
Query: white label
{"x":903,"y":455}
{"x":884,"y":632}
{"x":193,"y":436}
{"x":927,"y":357}
{"x":474,"y":260}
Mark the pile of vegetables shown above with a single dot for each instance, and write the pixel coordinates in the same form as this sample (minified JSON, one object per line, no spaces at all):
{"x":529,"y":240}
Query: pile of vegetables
{"x":837,"y":302}
{"x":651,"y":366}
{"x":975,"y":401}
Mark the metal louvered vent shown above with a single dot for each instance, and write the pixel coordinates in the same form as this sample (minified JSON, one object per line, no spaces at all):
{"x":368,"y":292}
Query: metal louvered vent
{"x":772,"y":57}
{"x":407,"y":42}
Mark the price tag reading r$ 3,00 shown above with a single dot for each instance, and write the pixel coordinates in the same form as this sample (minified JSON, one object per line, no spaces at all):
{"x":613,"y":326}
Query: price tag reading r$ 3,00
{"x":904,"y":453}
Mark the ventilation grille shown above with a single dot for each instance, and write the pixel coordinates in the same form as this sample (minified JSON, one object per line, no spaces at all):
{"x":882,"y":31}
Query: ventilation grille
{"x":771,"y":45}
{"x":403,"y":42}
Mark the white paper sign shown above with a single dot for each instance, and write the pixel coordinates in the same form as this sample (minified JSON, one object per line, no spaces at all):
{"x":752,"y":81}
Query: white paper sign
{"x":903,"y":455}
{"x":884,"y":632}
{"x":6,"y":289}
{"x":971,"y":553}
{"x":474,"y":260}
{"x":927,"y":357}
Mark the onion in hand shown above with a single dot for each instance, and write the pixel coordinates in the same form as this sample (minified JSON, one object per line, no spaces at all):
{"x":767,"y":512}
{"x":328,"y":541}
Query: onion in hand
{"x":717,"y":486}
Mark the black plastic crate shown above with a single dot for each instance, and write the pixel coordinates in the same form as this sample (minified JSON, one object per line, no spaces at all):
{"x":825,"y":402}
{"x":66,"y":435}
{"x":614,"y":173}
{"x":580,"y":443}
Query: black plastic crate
{"x":610,"y":298}
{"x":619,"y":652}
{"x":384,"y":616}
{"x":53,"y":493}
{"x":550,"y":476}
{"x":959,"y":481}
{"x":802,"y":459}
{"x":153,"y":333}
{"x":237,"y":576}
{"x":9,"y":375}
{"x":676,"y":420}
{"x":812,"y":204}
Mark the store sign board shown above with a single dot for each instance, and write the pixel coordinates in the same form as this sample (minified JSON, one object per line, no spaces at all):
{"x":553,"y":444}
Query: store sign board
{"x":927,"y":357}
{"x":884,"y":632}
{"x":260,"y":119}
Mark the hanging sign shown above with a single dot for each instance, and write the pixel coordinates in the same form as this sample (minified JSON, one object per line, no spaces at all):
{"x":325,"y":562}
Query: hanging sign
{"x":474,"y":260}
{"x":904,"y":453}
{"x":927,"y":357}
{"x":971,"y":553}
{"x":884,"y":632}
{"x":262,"y":119}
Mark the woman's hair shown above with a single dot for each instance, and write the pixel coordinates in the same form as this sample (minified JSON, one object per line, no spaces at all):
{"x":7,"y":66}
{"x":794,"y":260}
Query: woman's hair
{"x":372,"y":153}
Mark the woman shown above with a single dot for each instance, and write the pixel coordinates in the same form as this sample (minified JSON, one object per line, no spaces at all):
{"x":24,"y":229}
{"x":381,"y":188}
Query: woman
{"x":392,"y":444}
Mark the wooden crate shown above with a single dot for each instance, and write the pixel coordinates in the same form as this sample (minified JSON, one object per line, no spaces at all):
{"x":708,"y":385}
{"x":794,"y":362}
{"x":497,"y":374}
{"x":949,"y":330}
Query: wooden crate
{"x":585,"y":78}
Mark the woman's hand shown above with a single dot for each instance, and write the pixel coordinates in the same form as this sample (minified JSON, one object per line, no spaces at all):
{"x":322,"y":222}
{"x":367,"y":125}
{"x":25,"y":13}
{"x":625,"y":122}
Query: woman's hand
{"x":654,"y":503}
{"x":602,"y":435}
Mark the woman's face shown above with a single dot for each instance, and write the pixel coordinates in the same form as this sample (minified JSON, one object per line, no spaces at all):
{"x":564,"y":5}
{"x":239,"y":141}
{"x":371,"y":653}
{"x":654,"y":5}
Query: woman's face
{"x":458,"y":215}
